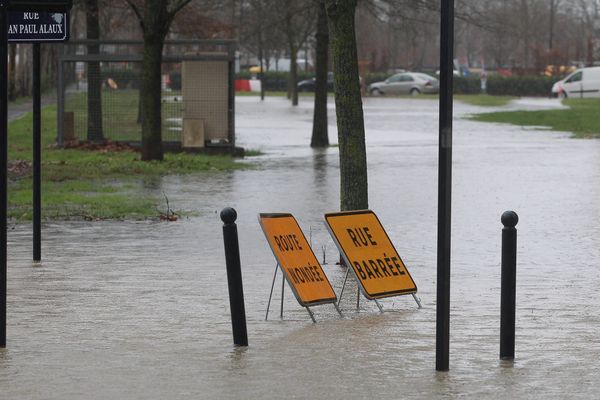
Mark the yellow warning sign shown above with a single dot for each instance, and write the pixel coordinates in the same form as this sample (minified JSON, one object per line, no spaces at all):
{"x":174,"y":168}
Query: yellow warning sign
{"x":366,"y":247}
{"x":296,"y":259}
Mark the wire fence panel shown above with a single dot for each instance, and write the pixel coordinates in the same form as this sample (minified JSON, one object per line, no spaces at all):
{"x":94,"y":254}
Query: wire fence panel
{"x":119,"y":105}
{"x":100,"y":92}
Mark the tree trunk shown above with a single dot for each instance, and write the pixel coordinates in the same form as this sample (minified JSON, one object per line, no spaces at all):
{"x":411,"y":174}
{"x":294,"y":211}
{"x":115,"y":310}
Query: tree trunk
{"x":261,"y":56}
{"x":294,"y":74}
{"x":12,"y":72}
{"x":261,"y":74}
{"x":95,"y":130}
{"x":551,"y":29}
{"x":140,"y":116}
{"x":348,"y":102}
{"x":151,"y":88}
{"x":319,"y":133}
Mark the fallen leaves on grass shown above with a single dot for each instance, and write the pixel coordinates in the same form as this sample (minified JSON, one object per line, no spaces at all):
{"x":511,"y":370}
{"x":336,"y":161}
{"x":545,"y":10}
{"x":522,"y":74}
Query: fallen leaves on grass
{"x":19,"y":168}
{"x":103,"y":147}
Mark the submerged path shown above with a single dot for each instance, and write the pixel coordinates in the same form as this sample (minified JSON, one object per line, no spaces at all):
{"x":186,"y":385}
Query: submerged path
{"x":140,"y":310}
{"x":17,"y":110}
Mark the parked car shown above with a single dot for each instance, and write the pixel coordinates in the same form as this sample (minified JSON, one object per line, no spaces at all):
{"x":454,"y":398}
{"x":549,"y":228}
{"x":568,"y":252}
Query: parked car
{"x":582,"y":83}
{"x":308,"y":85}
{"x":413,"y":83}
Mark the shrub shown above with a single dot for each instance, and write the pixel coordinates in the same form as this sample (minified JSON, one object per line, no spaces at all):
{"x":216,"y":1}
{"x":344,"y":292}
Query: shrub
{"x":467,"y":85}
{"x":372,"y":77}
{"x":520,"y":85}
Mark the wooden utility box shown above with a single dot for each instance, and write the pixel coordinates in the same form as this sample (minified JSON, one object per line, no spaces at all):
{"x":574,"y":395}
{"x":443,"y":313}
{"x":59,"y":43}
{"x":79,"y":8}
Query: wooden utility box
{"x":205,"y":87}
{"x":193,"y":133}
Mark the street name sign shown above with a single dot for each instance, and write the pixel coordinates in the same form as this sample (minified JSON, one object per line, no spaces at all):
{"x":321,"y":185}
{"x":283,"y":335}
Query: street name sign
{"x":296,"y":259}
{"x":368,"y":250}
{"x":37,"y":27}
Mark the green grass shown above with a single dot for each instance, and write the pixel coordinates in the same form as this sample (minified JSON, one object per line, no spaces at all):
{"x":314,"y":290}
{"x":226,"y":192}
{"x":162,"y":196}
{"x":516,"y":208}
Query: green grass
{"x":580,"y":118}
{"x":253,"y":153}
{"x":120,"y":110}
{"x":93,"y":184}
{"x":484,"y":100}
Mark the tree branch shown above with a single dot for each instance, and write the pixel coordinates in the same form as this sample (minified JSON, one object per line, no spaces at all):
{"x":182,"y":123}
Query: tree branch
{"x":138,"y":14}
{"x":177,"y":6}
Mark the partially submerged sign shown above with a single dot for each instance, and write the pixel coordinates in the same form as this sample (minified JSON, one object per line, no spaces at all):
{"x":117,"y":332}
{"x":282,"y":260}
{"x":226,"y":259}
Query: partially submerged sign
{"x":297,"y":260}
{"x":366,"y":247}
{"x":37,"y":26}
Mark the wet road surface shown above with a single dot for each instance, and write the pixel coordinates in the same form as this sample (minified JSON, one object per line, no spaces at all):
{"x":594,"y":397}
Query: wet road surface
{"x":139,"y":310}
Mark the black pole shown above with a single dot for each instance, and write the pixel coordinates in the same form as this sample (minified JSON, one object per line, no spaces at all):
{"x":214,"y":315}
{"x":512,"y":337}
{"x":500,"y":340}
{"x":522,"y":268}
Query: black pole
{"x":444,"y":187}
{"x":37,"y":156}
{"x":508,"y":287}
{"x":3,"y":165}
{"x":234,"y":277}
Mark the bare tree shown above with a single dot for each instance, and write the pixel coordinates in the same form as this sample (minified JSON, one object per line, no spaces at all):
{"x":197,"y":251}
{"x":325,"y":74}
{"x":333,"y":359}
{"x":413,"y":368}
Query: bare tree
{"x":297,"y":24}
{"x":319,"y":132}
{"x":12,"y":71}
{"x":155,"y":18}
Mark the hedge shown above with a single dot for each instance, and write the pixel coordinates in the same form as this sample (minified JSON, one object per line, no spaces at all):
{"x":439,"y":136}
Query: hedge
{"x":277,"y":81}
{"x":520,"y":85}
{"x":496,"y":85}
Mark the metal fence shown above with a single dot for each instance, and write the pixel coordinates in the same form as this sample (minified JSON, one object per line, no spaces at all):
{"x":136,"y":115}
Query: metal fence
{"x":99,"y":89}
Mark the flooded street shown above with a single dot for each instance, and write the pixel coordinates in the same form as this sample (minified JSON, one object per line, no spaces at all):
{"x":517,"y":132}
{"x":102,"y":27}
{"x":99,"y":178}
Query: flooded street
{"x":139,"y":310}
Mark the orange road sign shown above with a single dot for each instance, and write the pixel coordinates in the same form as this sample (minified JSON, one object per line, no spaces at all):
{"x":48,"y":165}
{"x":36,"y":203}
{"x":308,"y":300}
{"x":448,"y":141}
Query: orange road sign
{"x":296,"y":259}
{"x":367,"y":248}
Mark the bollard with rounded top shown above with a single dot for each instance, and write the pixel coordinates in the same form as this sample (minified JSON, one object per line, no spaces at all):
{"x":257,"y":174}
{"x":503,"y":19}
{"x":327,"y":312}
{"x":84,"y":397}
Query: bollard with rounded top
{"x":509,"y":219}
{"x":234,"y":277}
{"x":508,"y":285}
{"x":228,"y":215}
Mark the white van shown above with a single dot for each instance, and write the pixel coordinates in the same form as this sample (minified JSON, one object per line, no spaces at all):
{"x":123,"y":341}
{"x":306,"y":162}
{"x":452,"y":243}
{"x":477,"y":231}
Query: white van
{"x":583,"y":83}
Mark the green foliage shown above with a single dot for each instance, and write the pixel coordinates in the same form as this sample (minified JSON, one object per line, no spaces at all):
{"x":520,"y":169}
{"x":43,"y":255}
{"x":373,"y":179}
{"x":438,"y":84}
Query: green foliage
{"x":372,"y":77}
{"x":520,"y":85}
{"x":467,"y":85}
{"x":580,"y":118}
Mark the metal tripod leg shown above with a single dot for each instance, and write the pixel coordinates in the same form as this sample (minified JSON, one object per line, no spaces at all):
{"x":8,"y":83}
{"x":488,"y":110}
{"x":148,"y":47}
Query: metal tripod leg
{"x":417,"y":300}
{"x":271,"y":294}
{"x":312,"y":316}
{"x":378,"y":306}
{"x":357,"y":297}
{"x":338,"y":310}
{"x":343,"y":286}
{"x":282,"y":291}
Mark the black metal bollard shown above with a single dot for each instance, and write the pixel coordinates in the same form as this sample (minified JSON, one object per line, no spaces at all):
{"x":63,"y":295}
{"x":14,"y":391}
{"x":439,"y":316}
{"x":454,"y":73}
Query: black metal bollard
{"x":234,"y":277}
{"x":508,"y":289}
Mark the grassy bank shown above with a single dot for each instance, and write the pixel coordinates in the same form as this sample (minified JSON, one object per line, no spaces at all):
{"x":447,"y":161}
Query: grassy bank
{"x":484,"y":100}
{"x":93,"y":184}
{"x":580,"y":118}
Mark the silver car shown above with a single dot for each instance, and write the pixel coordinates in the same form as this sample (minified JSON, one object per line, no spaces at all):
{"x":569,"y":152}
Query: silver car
{"x":413,"y":83}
